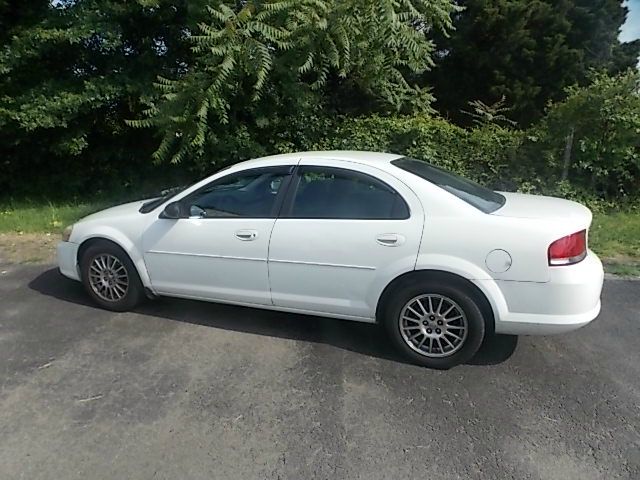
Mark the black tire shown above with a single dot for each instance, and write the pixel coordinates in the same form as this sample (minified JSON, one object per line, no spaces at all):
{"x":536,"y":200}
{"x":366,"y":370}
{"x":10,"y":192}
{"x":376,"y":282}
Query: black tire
{"x":134,"y":291}
{"x":476,"y":325}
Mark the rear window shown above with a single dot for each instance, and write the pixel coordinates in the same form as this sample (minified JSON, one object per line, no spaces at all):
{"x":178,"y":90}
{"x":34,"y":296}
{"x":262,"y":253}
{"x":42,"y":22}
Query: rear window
{"x":474,"y":194}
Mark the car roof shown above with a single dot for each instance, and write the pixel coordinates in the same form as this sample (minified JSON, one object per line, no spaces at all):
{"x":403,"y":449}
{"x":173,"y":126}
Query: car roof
{"x":364,"y":157}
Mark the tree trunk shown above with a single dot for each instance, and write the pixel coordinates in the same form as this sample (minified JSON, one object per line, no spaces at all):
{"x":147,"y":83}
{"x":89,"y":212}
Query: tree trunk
{"x":567,"y":154}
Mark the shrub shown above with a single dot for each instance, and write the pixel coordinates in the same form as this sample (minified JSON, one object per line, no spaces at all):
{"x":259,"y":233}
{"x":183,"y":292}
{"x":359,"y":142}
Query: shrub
{"x":591,"y":140}
{"x":486,"y":154}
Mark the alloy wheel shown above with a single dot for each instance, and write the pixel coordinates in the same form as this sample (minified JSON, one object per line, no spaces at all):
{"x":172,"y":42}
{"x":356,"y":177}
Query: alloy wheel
{"x":433,"y":325}
{"x":108,"y":277}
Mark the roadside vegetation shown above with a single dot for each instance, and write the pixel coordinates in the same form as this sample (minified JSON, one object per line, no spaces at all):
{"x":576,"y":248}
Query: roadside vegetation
{"x":616,"y":238}
{"x":43,"y":218}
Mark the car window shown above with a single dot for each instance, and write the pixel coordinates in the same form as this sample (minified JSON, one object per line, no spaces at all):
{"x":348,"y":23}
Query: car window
{"x":480,"y":197}
{"x":251,"y":193}
{"x":325,"y":192}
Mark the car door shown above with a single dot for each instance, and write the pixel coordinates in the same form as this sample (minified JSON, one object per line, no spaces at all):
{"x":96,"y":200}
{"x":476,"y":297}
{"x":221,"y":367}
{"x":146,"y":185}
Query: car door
{"x":344,"y":232}
{"x":220,"y":251}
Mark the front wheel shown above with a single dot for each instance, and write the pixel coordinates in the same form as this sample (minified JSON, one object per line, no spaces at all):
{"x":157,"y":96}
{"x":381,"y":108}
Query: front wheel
{"x":435,"y":325}
{"x":110,"y":278}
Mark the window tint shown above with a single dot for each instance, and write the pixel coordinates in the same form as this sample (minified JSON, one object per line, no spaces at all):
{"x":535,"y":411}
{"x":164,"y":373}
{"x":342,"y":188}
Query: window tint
{"x":337,"y":193}
{"x":251,"y":193}
{"x":480,"y":197}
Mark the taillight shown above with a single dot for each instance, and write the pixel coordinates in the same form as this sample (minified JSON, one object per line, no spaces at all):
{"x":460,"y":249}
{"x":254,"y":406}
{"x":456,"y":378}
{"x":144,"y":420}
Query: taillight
{"x":568,"y":250}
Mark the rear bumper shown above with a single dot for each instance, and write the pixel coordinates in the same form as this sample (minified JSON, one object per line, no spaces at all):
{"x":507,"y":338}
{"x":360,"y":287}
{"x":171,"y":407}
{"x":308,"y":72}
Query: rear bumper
{"x":67,"y":254}
{"x":535,"y":324}
{"x":568,"y":301}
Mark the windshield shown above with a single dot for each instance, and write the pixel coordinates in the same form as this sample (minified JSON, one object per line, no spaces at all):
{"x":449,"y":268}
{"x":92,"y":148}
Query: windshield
{"x":480,"y":197}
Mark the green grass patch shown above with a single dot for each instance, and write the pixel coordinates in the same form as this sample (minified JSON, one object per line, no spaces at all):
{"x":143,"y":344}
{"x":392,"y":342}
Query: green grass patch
{"x":36,"y":218}
{"x":629,"y":269}
{"x":616,"y":235}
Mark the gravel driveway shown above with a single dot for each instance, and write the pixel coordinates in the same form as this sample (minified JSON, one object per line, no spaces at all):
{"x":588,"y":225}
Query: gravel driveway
{"x":182,"y":390}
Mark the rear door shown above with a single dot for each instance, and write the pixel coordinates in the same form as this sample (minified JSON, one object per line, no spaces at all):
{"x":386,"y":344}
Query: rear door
{"x":344,"y":232}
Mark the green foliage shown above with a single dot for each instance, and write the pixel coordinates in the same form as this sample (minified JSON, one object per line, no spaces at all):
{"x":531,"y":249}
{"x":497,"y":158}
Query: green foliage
{"x":494,"y":114}
{"x":69,"y":76}
{"x":258,"y":62}
{"x":605,"y":152}
{"x":485,"y":154}
{"x":527,"y":51}
{"x":213,"y":82}
{"x":44,"y":217}
{"x":616,"y":236}
{"x":604,"y":161}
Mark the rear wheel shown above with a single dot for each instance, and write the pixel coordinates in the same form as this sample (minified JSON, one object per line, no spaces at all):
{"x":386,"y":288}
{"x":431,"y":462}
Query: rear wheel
{"x":434,"y":325}
{"x":110,"y":278}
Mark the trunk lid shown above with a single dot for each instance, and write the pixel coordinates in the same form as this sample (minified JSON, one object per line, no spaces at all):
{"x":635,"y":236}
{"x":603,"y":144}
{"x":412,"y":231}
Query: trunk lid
{"x":521,"y":205}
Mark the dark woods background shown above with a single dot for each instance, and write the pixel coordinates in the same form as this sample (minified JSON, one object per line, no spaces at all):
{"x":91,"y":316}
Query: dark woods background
{"x":119,"y":98}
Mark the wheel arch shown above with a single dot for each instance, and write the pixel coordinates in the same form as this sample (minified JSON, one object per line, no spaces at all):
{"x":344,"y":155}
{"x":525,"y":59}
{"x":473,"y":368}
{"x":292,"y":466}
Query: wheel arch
{"x":476,"y":293}
{"x":126,"y":246}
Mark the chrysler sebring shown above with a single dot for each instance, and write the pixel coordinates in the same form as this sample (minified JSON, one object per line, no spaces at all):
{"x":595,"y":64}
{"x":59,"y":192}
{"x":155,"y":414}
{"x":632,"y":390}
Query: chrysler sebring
{"x":439,"y":261}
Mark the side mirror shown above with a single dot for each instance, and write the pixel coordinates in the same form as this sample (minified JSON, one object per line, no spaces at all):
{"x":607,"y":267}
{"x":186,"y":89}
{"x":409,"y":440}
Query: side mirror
{"x":173,"y":210}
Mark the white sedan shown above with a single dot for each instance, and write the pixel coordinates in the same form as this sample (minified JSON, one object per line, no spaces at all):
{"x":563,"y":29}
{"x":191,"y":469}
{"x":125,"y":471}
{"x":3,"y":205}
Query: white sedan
{"x":438,"y":260}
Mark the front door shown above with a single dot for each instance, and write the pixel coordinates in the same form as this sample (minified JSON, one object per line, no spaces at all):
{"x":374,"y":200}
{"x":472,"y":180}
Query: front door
{"x":341,"y":237}
{"x":220,"y":251}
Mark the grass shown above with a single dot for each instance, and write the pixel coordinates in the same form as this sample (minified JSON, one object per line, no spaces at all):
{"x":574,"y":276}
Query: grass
{"x":616,"y":234}
{"x":38,"y":218}
{"x":615,"y":237}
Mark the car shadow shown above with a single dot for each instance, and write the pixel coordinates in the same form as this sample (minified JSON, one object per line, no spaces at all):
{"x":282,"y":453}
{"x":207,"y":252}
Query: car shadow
{"x":362,"y":338}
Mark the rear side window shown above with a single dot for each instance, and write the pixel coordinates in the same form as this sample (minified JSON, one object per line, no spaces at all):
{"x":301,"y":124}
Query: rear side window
{"x":325,"y":192}
{"x":480,"y":197}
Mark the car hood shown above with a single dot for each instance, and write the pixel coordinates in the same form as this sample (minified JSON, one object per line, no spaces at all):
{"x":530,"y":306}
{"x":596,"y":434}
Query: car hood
{"x":126,"y":209}
{"x":523,"y":205}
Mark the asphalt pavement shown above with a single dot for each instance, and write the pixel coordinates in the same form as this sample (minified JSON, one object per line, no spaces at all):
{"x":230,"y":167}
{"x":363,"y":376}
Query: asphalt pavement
{"x":188,"y":390}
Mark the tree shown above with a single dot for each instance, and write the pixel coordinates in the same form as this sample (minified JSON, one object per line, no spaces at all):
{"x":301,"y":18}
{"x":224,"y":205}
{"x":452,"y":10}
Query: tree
{"x":70,"y":73}
{"x":592,"y":138}
{"x":528,"y":51}
{"x":261,"y":64}
{"x":595,"y":28}
{"x":15,"y":14}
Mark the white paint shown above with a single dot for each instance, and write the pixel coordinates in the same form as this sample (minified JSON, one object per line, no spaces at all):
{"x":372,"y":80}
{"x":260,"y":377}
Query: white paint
{"x":339,"y":268}
{"x":498,"y":261}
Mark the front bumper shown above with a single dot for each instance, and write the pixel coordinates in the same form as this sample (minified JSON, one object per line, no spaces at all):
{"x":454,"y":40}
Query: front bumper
{"x":568,"y":301}
{"x":67,"y":253}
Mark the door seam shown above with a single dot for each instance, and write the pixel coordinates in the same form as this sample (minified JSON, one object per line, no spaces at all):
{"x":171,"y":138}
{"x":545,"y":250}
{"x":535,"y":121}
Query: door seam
{"x":273,"y":226}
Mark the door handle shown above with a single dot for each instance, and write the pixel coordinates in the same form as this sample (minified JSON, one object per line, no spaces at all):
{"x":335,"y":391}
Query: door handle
{"x":246,"y":235}
{"x":390,"y":239}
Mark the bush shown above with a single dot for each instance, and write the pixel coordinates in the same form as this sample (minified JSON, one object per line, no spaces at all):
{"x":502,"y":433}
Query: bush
{"x":603,"y":168}
{"x":599,"y":164}
{"x":591,"y":140}
{"x":484,"y":153}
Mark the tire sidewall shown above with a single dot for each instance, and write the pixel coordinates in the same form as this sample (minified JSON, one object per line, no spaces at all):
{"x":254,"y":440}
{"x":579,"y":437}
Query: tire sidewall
{"x":135,"y":290}
{"x":475,"y":322}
